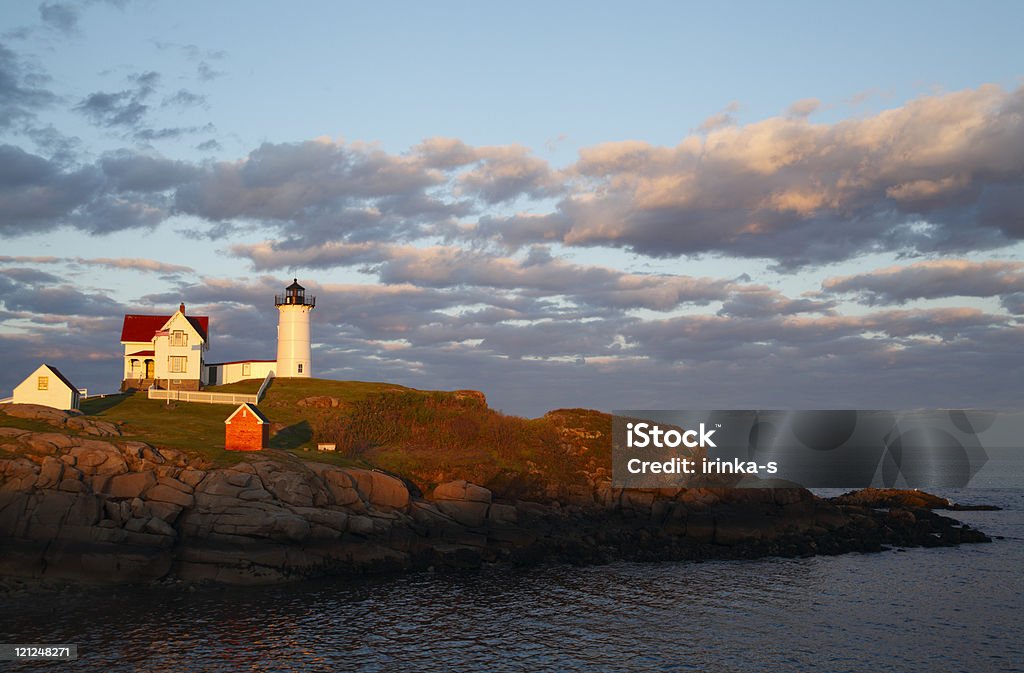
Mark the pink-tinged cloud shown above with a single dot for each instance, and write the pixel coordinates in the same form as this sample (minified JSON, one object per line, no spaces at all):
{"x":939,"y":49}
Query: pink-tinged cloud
{"x":932,"y":279}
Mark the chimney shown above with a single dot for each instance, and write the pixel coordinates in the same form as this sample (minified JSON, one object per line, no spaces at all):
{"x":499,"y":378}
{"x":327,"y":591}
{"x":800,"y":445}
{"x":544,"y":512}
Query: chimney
{"x":182,"y":308}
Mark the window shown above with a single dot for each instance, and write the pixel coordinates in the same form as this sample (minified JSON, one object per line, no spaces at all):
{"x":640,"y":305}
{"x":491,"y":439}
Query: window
{"x":300,"y":367}
{"x":44,"y":383}
{"x":179,"y":338}
{"x":178,"y":363}
{"x":246,"y":369}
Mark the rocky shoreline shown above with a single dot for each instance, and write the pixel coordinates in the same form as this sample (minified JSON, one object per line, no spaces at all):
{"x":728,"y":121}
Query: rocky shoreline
{"x":82,"y":505}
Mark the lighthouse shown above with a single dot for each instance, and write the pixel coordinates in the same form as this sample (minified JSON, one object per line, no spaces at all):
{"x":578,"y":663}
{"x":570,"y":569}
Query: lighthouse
{"x":293,"y":352}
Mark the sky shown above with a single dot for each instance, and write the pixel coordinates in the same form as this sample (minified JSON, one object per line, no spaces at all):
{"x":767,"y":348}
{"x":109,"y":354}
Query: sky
{"x":605,"y":205}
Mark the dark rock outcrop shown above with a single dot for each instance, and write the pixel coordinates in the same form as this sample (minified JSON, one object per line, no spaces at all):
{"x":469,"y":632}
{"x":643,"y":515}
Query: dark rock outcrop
{"x":73,"y":507}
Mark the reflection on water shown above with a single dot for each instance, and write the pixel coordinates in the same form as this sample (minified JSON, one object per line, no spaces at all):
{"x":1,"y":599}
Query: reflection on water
{"x":935,"y":610}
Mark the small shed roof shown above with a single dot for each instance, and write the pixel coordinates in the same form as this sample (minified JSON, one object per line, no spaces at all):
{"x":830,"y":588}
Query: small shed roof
{"x":260,"y":418}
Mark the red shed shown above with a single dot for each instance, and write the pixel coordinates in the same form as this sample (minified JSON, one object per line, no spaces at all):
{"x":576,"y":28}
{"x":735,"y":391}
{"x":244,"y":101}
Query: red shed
{"x":247,"y":429}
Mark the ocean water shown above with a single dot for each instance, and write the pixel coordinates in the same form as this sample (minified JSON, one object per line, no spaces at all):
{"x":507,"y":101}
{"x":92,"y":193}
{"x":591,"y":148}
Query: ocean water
{"x":930,"y":610}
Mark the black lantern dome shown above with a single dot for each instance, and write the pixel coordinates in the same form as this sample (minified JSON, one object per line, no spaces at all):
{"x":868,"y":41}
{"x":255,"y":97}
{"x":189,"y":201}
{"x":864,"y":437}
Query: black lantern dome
{"x":294,"y":294}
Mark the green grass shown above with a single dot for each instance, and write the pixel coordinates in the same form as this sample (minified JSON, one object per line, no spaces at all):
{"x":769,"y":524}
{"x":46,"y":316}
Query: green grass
{"x":427,"y":436}
{"x":193,"y":428}
{"x":29,"y":424}
{"x":199,"y":428}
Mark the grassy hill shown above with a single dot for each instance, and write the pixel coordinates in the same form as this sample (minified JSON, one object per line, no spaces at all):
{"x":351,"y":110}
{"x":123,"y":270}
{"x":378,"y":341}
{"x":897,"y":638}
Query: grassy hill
{"x":427,"y":436}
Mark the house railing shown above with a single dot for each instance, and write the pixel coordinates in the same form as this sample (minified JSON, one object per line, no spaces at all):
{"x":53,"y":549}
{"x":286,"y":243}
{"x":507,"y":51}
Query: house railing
{"x":199,"y":396}
{"x":263,"y":388}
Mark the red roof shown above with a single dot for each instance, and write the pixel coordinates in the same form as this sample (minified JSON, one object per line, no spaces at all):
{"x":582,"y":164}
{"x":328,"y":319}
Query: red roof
{"x":141,"y":353}
{"x":141,"y":328}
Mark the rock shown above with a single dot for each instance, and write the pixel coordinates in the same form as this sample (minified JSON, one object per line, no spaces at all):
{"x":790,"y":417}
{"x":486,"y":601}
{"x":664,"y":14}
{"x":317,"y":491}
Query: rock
{"x":158,"y":526}
{"x":164,"y":510}
{"x":163,"y":493}
{"x":467,"y":513}
{"x":93,"y":427}
{"x":891,"y":497}
{"x":388,"y":491}
{"x":288,"y":486}
{"x":37,"y":412}
{"x":502,"y":515}
{"x":239,"y":477}
{"x":255,"y":494}
{"x":19,"y":474}
{"x":462,"y":490}
{"x":224,"y":482}
{"x":379,"y":489}
{"x":130,"y":485}
{"x":50,"y":473}
{"x":474,"y":396}
{"x":171,"y":482}
{"x":319,"y":402}
{"x":360,"y":525}
{"x":332,"y":519}
{"x":339,"y":483}
{"x":901,"y":517}
{"x":191,"y":476}
{"x":738,"y":527}
{"x":97,"y":457}
{"x":73,"y":486}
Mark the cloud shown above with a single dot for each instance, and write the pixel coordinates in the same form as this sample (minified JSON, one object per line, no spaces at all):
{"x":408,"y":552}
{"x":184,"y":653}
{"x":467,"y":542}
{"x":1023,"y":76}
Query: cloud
{"x":136,"y":264}
{"x":931,"y":279}
{"x":30,"y":276}
{"x":123,"y":190}
{"x":130,"y":171}
{"x":207,"y":72}
{"x":210,"y":145}
{"x":504,"y":341}
{"x":61,"y":16}
{"x":939,"y":174}
{"x":803,"y":108}
{"x":498,"y":173}
{"x":184,"y":98}
{"x":37,"y":194}
{"x":21,"y":90}
{"x":322,"y":190}
{"x":720,"y":119}
{"x":588,"y":289}
{"x":128,"y":110}
{"x":762,"y":302}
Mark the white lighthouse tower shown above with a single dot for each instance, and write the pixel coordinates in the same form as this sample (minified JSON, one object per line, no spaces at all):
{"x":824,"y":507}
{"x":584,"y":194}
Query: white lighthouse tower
{"x":293,"y":352}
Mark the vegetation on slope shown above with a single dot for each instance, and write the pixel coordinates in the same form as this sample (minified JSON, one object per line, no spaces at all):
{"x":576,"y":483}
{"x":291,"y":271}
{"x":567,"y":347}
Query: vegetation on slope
{"x":426,"y":436}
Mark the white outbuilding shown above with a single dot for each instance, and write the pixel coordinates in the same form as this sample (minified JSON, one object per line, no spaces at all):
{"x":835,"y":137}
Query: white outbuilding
{"x":48,"y":387}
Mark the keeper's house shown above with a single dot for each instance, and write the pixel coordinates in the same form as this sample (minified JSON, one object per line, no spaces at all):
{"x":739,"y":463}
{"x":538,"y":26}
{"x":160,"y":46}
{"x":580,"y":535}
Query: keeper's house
{"x":166,"y":352}
{"x":48,"y":387}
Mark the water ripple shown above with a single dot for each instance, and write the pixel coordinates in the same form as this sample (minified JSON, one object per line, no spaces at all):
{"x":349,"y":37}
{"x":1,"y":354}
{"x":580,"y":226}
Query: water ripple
{"x":936,"y":610}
